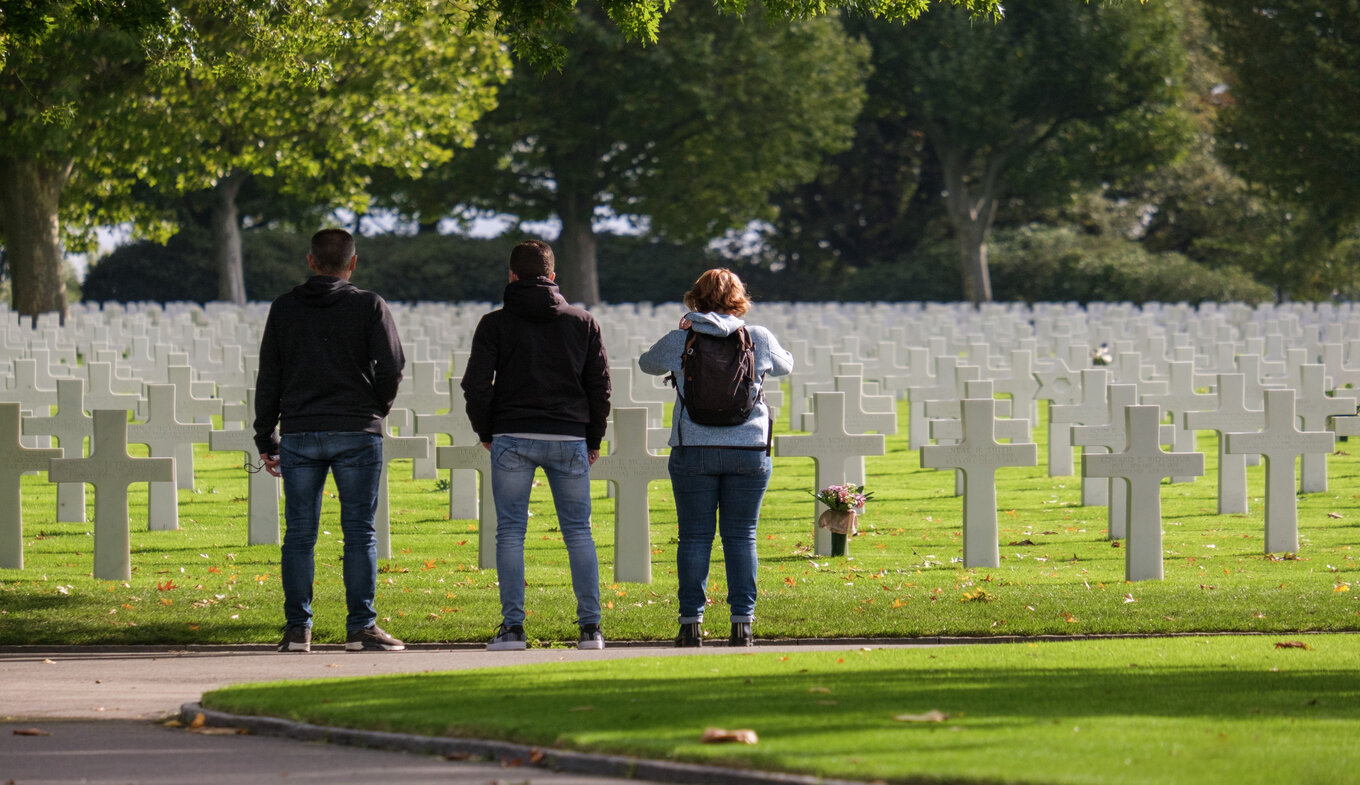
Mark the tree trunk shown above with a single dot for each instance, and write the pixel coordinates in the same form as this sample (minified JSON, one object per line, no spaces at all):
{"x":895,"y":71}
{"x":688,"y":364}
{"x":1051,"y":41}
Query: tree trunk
{"x":226,"y":226}
{"x":30,"y":199}
{"x":971,"y":216}
{"x":577,"y":276}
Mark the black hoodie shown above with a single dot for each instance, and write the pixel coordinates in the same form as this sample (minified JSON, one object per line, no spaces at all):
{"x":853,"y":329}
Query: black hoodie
{"x":538,"y":365}
{"x":330,"y":360}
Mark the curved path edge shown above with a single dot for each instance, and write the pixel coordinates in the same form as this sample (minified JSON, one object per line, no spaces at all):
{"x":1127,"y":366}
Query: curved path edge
{"x":508,"y":753}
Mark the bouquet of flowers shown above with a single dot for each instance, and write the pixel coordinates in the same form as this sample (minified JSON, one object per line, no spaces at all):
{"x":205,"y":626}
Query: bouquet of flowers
{"x":843,"y":498}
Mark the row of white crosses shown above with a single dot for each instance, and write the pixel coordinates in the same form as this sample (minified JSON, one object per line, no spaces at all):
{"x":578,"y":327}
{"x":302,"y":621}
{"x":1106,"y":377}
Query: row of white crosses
{"x":870,"y":356}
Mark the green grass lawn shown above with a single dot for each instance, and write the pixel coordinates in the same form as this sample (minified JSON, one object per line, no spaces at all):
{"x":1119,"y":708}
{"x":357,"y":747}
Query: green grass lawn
{"x":903,"y":578}
{"x":1180,"y":710}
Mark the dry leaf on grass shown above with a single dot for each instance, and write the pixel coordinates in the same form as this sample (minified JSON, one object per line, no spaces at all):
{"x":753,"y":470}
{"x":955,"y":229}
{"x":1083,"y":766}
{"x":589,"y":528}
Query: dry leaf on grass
{"x":1292,"y":645}
{"x":31,"y":732}
{"x":212,"y":731}
{"x":720,"y":736}
{"x":930,"y":716}
{"x":198,"y":721}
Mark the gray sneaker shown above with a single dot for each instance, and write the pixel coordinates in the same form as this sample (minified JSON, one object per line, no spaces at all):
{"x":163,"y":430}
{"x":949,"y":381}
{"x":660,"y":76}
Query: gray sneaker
{"x":591,"y":637}
{"x":296,"y":638}
{"x":508,"y":639}
{"x":372,"y":639}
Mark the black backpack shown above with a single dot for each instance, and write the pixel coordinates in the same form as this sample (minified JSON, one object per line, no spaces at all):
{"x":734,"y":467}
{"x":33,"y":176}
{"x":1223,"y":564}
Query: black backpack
{"x":721,"y":385}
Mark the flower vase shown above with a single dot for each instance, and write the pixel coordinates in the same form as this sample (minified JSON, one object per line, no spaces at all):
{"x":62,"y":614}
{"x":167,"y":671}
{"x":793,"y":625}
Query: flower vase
{"x":842,"y":524}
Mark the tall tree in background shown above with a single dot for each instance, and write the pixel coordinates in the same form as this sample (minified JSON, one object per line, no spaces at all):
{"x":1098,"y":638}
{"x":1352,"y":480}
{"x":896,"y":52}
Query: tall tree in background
{"x":689,"y":135}
{"x":1293,"y":123}
{"x":1056,"y":98}
{"x":383,"y":101}
{"x":68,"y":91}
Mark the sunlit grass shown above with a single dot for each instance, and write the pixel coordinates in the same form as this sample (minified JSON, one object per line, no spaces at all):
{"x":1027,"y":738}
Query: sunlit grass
{"x":1171,"y":711}
{"x":1059,"y":575}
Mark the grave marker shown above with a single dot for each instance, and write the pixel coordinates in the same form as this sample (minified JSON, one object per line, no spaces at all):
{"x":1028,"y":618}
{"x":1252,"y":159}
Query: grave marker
{"x":264,"y":490}
{"x":16,"y":460}
{"x":71,"y":426}
{"x":978,"y":456}
{"x":111,"y":470}
{"x":1142,"y":465}
{"x":1280,"y":442}
{"x":631,"y":468}
{"x":394,"y":448}
{"x":831,"y":449}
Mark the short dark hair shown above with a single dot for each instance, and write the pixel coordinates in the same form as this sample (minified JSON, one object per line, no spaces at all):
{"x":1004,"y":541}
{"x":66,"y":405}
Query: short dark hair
{"x":532,"y":259}
{"x":331,"y":250}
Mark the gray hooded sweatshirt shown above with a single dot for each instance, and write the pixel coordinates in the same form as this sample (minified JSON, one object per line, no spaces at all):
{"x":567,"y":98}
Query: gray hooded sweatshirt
{"x":771,"y":360}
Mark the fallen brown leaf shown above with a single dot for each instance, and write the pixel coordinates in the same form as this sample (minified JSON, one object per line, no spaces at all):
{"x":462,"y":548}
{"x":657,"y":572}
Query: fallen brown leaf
{"x":720,"y":736}
{"x":31,"y":732}
{"x":1292,"y":645}
{"x":930,"y":716}
{"x":1333,"y":515}
{"x":215,"y":731}
{"x":536,"y":756}
{"x":457,"y":755}
{"x":198,"y":721}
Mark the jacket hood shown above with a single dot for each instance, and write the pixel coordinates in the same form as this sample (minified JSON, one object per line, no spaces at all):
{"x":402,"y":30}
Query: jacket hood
{"x":535,"y":300}
{"x":321,"y":291}
{"x":719,"y":324}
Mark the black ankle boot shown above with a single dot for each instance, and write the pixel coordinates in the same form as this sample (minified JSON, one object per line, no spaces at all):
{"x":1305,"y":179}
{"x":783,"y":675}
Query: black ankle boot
{"x":691,"y":635}
{"x":741,"y":634}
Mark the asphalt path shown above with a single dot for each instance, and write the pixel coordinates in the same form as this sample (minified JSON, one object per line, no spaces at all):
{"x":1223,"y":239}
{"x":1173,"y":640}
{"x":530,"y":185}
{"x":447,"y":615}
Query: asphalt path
{"x":94,"y":715}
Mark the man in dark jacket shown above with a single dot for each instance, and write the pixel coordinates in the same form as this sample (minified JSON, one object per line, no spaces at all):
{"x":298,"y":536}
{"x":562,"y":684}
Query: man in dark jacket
{"x":330,"y":363}
{"x":537,"y":392}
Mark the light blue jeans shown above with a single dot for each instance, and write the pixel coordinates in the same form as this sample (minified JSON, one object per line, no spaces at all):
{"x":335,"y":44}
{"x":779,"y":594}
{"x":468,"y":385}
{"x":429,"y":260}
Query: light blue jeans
{"x":513,"y":461}
{"x":717,"y":489}
{"x":355,"y":460}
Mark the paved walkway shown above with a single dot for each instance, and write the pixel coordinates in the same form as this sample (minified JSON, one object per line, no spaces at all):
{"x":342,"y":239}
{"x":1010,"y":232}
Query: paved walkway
{"x":101,"y":708}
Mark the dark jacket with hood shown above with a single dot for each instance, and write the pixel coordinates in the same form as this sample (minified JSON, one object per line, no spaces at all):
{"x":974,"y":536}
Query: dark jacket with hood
{"x":330,"y":360}
{"x":538,"y":365}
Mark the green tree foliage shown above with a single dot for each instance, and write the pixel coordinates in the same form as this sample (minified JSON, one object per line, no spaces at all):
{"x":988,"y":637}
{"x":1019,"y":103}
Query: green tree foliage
{"x":1055,"y":99}
{"x":1293,"y":123}
{"x":384,"y":101}
{"x":691,"y":134}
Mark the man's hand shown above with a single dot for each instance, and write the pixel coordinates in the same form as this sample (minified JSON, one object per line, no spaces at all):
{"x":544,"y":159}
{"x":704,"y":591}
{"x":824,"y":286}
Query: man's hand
{"x":592,"y":456}
{"x":685,"y":323}
{"x":271,"y":464}
{"x":487,"y":445}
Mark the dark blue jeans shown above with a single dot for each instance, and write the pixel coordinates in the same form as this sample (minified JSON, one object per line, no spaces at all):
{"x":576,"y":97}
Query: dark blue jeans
{"x":720,"y":490}
{"x":567,"y":467}
{"x":355,"y":460}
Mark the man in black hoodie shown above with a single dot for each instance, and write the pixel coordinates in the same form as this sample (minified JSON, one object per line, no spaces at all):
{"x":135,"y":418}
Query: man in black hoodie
{"x":330,"y":363}
{"x":537,"y":392}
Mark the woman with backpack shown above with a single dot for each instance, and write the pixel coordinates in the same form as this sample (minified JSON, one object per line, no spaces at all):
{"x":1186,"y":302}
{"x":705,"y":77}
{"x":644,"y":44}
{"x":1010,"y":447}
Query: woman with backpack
{"x":721,"y":431}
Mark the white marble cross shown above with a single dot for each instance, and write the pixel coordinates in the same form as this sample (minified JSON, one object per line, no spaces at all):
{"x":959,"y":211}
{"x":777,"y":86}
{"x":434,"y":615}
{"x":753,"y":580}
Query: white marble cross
{"x":1060,"y":386}
{"x":463,"y":497}
{"x":1179,"y":399}
{"x":195,"y":410}
{"x":978,"y":456}
{"x":1093,"y":409}
{"x":16,"y":460}
{"x":1111,"y":437}
{"x":425,"y":394}
{"x":1231,"y":415}
{"x":164,"y":435}
{"x":631,"y":468}
{"x":263,"y":489}
{"x":26,"y":389}
{"x":831,"y":449}
{"x":71,"y":426}
{"x":477,"y":458}
{"x":1142,"y":464}
{"x":394,"y":448}
{"x":1312,"y":405}
{"x":1280,"y":442}
{"x":111,"y":470}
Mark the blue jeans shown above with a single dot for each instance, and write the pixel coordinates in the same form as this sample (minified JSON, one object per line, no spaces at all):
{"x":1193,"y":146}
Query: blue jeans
{"x":355,"y":460}
{"x":513,"y":461}
{"x":722,"y":489}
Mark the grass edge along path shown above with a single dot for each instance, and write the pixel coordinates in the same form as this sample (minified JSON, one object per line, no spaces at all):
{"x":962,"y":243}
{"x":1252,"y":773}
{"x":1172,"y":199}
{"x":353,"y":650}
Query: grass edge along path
{"x":1246,"y":710}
